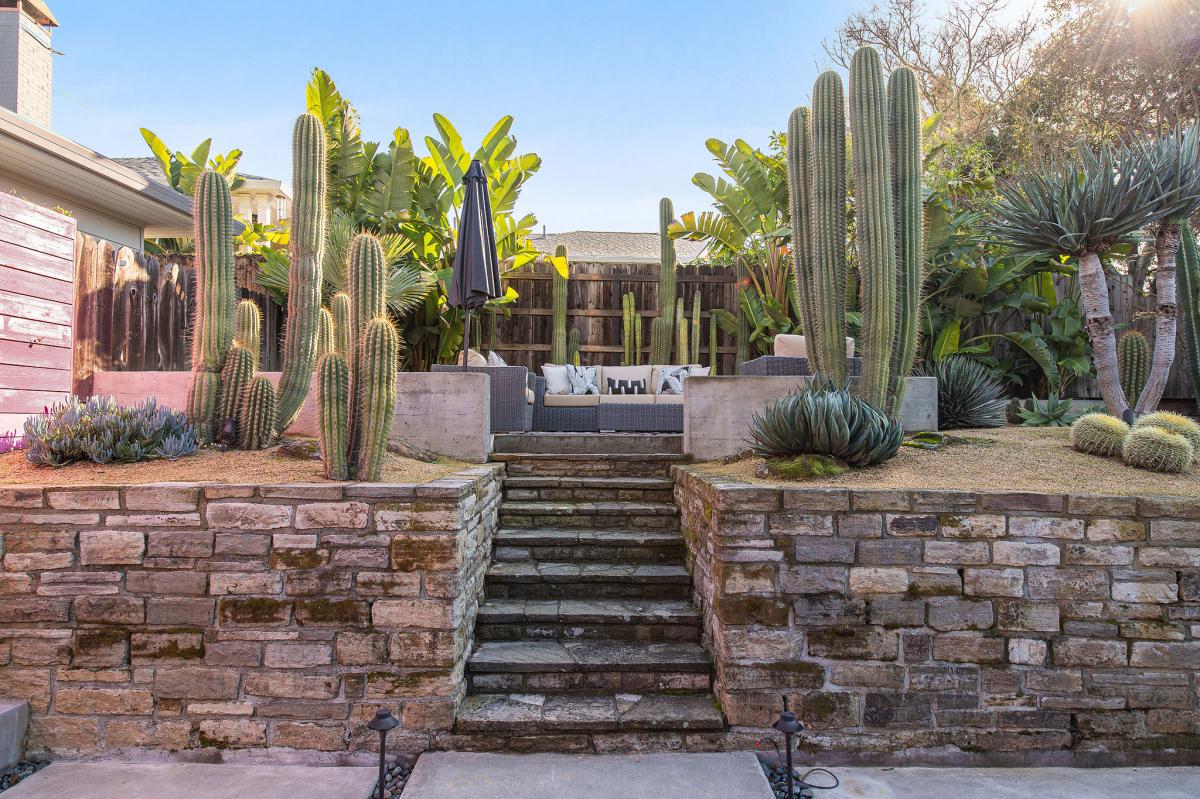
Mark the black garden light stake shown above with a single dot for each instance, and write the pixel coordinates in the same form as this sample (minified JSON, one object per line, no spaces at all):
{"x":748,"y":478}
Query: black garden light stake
{"x":789,"y":725}
{"x":384,"y":721}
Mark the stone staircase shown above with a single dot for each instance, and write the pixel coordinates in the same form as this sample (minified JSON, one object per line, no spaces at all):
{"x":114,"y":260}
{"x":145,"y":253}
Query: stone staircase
{"x":588,"y":629}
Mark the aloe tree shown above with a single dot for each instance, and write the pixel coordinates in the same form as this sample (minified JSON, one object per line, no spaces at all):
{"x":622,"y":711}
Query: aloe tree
{"x":1081,"y":208}
{"x":1173,"y":163}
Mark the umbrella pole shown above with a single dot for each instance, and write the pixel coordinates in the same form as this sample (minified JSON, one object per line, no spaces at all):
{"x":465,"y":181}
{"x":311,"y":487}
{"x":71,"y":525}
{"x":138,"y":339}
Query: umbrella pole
{"x":466,"y":339}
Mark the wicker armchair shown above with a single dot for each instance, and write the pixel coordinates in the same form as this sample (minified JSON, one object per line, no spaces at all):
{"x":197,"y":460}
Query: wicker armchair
{"x":510,"y":408}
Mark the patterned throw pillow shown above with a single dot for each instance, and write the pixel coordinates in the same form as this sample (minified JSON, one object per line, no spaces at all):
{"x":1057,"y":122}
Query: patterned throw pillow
{"x":582,"y":379}
{"x":626,"y":386}
{"x":670,"y":379}
{"x":495,"y":360}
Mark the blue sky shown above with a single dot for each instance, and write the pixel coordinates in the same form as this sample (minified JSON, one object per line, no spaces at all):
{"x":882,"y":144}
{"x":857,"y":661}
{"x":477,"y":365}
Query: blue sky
{"x":617,"y":96}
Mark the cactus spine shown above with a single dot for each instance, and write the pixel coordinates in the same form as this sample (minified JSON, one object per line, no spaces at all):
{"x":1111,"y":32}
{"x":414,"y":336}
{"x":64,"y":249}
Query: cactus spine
{"x":558,"y":342}
{"x":257,"y":427}
{"x":663,"y":328}
{"x":694,"y":356}
{"x":1133,"y":362}
{"x":247,"y":328}
{"x":304,"y":277}
{"x":357,"y":391}
{"x":235,"y":377}
{"x":333,"y":399}
{"x":1187,"y":261}
{"x":339,"y":306}
{"x":904,"y":139}
{"x":215,"y":294}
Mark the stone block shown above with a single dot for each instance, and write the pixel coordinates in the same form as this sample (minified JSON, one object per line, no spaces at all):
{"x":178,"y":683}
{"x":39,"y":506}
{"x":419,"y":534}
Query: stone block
{"x":897,"y":710}
{"x":296,"y":654}
{"x":162,"y":497}
{"x":14,"y":720}
{"x":1166,"y":655}
{"x":1089,"y":652}
{"x":951,"y":613}
{"x":110,"y":610}
{"x":1170,"y":557}
{"x":84,"y":499}
{"x":104,"y":701}
{"x":1067,"y":583}
{"x":893,"y":611}
{"x":970,"y":553}
{"x":166,"y":583}
{"x":973,"y":525}
{"x":255,"y":611}
{"x":291,"y":686}
{"x":422,"y":649}
{"x":1045,"y":527}
{"x":816,"y":550}
{"x":232,"y":733}
{"x":194,"y":682}
{"x":860,"y":525}
{"x":889,"y":552}
{"x":1023,"y":553}
{"x":878,"y":580}
{"x":247,"y":516}
{"x":402,"y":613}
{"x":1027,"y":651}
{"x":1015,"y":615}
{"x":849,"y":643}
{"x":994,"y":582}
{"x":111,"y":547}
{"x":424,"y":553}
{"x":160,"y":646}
{"x":332,"y":515}
{"x":968,"y":648}
{"x":1115,"y":530}
{"x":1022,"y":501}
{"x":1097,"y":555}
{"x":812,"y":579}
{"x":912,"y":525}
{"x":738,"y":610}
{"x":245,"y":583}
{"x":1154,"y":593}
{"x":800,"y":524}
{"x":934,"y":581}
{"x":181,"y":544}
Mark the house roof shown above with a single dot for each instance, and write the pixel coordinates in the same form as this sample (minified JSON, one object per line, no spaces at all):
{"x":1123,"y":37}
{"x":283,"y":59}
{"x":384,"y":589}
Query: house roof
{"x":614,"y":246}
{"x":59,"y":166}
{"x":149,"y":167}
{"x":41,"y":13}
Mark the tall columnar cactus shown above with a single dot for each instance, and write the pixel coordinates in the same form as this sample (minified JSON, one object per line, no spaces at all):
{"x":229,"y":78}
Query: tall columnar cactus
{"x":637,"y":337}
{"x":904,"y":139}
{"x":493,"y":328}
{"x":304,"y":277}
{"x":1133,"y":362}
{"x":662,"y":329}
{"x":743,"y":324}
{"x":712,"y":346}
{"x":339,"y":306}
{"x":885,"y":128}
{"x":256,"y":428}
{"x":325,"y":334}
{"x":558,"y":338}
{"x":247,"y":328}
{"x":799,"y":164}
{"x":694,"y":356}
{"x":357,"y":391}
{"x":235,"y":377}
{"x":628,"y":320}
{"x":573,"y":347}
{"x":681,"y":327}
{"x":215,"y":295}
{"x":1187,"y":261}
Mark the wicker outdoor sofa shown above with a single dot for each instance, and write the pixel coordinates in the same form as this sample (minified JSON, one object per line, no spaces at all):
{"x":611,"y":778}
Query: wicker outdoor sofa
{"x":511,"y":409}
{"x":625,"y":413}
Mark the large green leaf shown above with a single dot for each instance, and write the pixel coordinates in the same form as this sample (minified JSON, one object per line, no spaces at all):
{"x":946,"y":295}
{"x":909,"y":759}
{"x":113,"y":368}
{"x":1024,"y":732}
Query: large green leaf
{"x":708,"y":226}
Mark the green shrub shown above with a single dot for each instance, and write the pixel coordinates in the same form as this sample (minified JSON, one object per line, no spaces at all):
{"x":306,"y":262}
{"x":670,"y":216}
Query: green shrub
{"x":825,"y":420}
{"x":1052,"y":412}
{"x":101,"y":431}
{"x":968,"y":395}
{"x":1173,"y":423}
{"x":1158,"y":450}
{"x":1099,"y":434}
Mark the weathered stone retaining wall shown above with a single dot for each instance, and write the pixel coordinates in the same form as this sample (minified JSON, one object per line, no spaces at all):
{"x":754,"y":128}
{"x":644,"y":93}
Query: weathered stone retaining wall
{"x":903,"y":621}
{"x":179,"y":617}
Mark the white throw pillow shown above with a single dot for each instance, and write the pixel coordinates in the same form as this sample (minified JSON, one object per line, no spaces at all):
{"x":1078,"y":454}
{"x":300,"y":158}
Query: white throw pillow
{"x":698,"y":371}
{"x":495,"y":360}
{"x":556,"y":379}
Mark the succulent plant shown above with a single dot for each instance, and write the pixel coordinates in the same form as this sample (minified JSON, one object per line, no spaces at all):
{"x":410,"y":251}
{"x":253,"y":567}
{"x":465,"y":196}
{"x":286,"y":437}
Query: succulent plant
{"x":357,"y":391}
{"x":968,"y":394}
{"x":235,"y":377}
{"x":101,"y":431}
{"x":1051,"y":412}
{"x":823,"y":419}
{"x":256,"y":425}
{"x":1173,"y":423}
{"x":681,"y":333}
{"x":573,"y":346}
{"x":325,"y":334}
{"x":339,"y":306}
{"x":694,"y":356}
{"x":215,"y":293}
{"x":1187,"y":264}
{"x":307,"y":242}
{"x":629,"y":338}
{"x":1099,"y":434}
{"x":1133,"y":363}
{"x":1157,"y":450}
{"x":247,"y":328}
{"x":558,"y":336}
{"x":712,"y":346}
{"x":662,"y":329}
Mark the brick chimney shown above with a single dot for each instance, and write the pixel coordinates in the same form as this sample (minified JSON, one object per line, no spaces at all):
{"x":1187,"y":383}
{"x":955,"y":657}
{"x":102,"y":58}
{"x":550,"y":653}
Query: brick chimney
{"x":26,"y":59}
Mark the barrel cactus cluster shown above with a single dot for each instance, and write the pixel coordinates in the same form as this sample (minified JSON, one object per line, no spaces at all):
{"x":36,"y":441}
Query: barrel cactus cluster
{"x":1161,"y":441}
{"x":885,"y":134}
{"x":356,"y":389}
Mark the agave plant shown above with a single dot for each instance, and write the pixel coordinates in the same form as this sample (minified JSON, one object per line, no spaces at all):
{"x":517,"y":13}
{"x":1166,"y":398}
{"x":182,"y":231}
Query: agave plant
{"x":1083,"y":208}
{"x":968,"y":394}
{"x":823,"y":419}
{"x":1051,"y":412}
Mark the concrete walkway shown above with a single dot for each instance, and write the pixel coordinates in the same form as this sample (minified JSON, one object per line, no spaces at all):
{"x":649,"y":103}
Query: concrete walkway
{"x":457,"y":775}
{"x":1013,"y":783}
{"x":193,"y":781}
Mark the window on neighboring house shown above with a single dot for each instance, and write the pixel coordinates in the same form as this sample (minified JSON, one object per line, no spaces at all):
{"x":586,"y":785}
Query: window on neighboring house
{"x":254,"y":218}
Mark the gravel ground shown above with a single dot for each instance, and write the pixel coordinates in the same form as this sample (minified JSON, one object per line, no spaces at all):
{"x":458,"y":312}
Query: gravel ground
{"x":396,"y":778}
{"x":17,"y":773}
{"x":1000,"y":459}
{"x":777,"y":776}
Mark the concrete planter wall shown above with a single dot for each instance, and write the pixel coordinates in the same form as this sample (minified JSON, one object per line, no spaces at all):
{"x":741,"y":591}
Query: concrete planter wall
{"x":952,"y":624}
{"x":717,"y":410}
{"x":241,"y":620}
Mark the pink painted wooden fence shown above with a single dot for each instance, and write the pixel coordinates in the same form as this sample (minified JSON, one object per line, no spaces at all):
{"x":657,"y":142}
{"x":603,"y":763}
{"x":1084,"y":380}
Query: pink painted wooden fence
{"x":37,"y":297}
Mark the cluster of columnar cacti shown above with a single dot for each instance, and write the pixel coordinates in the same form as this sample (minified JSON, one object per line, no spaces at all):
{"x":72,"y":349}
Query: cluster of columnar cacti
{"x":1133,"y":362}
{"x":247,"y":328}
{"x":885,"y":128}
{"x":631,"y":331}
{"x":663,"y":327}
{"x":357,"y":389}
{"x":216,"y":292}
{"x":558,"y":335}
{"x":307,"y":241}
{"x":1187,"y":265}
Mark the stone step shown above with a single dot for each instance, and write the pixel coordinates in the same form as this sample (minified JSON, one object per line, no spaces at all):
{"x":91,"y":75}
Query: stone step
{"x":580,"y":619}
{"x":588,"y":464}
{"x":540,"y":713}
{"x":597,"y":515}
{"x":587,"y":580}
{"x":587,"y":443}
{"x":620,"y":489}
{"x":575,"y":544}
{"x":584,"y":666}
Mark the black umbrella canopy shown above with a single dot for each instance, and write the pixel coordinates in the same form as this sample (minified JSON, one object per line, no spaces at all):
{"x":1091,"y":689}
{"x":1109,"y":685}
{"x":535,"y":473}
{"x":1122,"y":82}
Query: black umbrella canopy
{"x":476,"y":275}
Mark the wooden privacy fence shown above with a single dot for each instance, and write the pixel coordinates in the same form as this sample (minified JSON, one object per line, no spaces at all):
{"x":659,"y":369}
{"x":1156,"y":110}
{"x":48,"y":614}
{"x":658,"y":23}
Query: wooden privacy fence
{"x":134,"y":311}
{"x":594,"y":309}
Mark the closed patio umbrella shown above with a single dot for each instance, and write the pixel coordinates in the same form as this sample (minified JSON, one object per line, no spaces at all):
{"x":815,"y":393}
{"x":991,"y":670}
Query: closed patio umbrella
{"x":476,"y":275}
